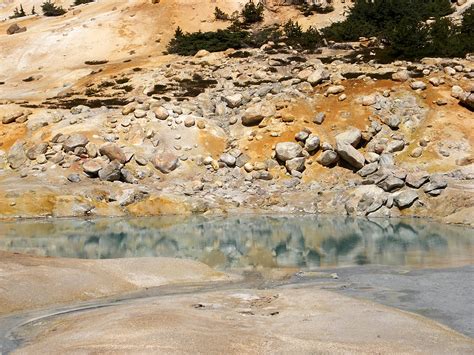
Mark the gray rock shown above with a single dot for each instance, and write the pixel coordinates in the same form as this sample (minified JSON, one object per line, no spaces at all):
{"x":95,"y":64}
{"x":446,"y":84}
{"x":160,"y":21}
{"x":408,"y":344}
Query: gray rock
{"x":288,"y":150}
{"x":36,"y":150}
{"x":74,"y":177}
{"x":128,"y":177}
{"x":111,"y":172}
{"x":318,"y":76}
{"x":391,"y":183}
{"x":319,"y":118}
{"x":74,"y":141}
{"x":393,"y":121}
{"x":312,"y":143}
{"x":302,"y":135}
{"x":437,"y":182}
{"x":417,"y":180}
{"x":467,"y":99}
{"x":16,"y":155}
{"x":395,"y":146}
{"x":12,"y":117}
{"x":349,"y":154}
{"x":328,"y":158}
{"x":228,"y":159}
{"x":91,"y":167}
{"x":405,"y":198}
{"x":295,"y":164}
{"x":418,"y":85}
{"x":368,"y":169}
{"x":386,"y":160}
{"x":234,"y":101}
{"x":352,"y":137}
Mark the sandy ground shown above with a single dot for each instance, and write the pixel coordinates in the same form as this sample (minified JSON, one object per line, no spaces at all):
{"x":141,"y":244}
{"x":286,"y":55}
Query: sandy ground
{"x":28,"y":282}
{"x":250,"y":322}
{"x":197,"y":319}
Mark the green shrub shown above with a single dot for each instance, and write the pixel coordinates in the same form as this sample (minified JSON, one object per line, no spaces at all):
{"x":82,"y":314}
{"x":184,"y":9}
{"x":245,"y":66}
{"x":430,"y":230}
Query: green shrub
{"x":191,"y":43}
{"x":378,"y":17}
{"x":80,"y":2}
{"x":309,"y":39}
{"x":50,"y":9}
{"x":252,"y":13}
{"x":220,"y":15}
{"x":18,"y":12}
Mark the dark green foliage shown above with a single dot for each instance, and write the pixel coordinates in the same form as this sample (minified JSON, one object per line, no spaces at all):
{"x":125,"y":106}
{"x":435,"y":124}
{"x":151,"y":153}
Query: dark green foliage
{"x":378,"y":17}
{"x":252,"y":13}
{"x":80,"y":2}
{"x":33,"y":11}
{"x":309,"y":39}
{"x":220,"y":15}
{"x":191,"y":43}
{"x":236,"y":37}
{"x":402,"y":26}
{"x":51,"y":9}
{"x":18,"y":12}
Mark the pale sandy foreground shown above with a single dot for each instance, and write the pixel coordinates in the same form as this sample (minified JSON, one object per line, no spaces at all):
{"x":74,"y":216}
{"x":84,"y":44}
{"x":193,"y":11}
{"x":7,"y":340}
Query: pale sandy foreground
{"x":296,"y":318}
{"x":248,"y":322}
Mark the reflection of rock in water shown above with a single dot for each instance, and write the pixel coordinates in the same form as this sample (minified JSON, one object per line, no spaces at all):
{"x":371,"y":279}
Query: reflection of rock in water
{"x":241,"y":241}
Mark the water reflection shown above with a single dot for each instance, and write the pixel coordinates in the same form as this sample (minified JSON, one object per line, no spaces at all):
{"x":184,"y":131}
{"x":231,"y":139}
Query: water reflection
{"x":305,"y":241}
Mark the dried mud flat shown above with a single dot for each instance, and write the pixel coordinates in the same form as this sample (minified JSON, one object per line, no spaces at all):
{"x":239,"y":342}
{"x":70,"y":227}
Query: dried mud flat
{"x":210,"y":312}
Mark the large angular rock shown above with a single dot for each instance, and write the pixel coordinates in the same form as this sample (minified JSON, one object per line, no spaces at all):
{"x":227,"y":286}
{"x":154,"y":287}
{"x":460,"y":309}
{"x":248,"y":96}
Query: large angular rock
{"x":233,"y":101}
{"x":467,"y":99}
{"x":318,"y":76}
{"x":111,"y":172}
{"x":12,"y":117}
{"x":351,"y":155}
{"x":312,"y":143}
{"x":391,"y":183}
{"x":256,"y":113}
{"x":16,"y":156}
{"x":15,"y":28}
{"x":405,"y":198}
{"x":295,"y":164}
{"x":328,"y":158}
{"x":74,"y":141}
{"x":417,"y":180}
{"x":36,"y":150}
{"x":91,"y":168}
{"x":165,"y":162}
{"x":228,"y":159}
{"x":352,"y":137}
{"x":288,"y":150}
{"x":437,"y":182}
{"x":113,"y":152}
{"x":368,"y":169}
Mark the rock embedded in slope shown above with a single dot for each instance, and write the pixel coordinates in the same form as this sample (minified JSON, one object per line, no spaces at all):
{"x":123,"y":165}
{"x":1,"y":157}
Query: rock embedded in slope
{"x":368,"y":169}
{"x":418,"y":85}
{"x":391,"y":183}
{"x":113,"y":152}
{"x":111,"y":172}
{"x":318,"y":76}
{"x":16,"y":155}
{"x":417,"y":179}
{"x":160,"y":113}
{"x":74,"y":141}
{"x":255,"y":114}
{"x":319,"y":118}
{"x":335,"y":89}
{"x":405,"y":198}
{"x":15,"y":28}
{"x":233,"y":101}
{"x":288,"y":150}
{"x":165,"y":162}
{"x":350,"y":155}
{"x":352,"y":137}
{"x":328,"y":158}
{"x":228,"y":159}
{"x":437,"y":182}
{"x":36,"y":150}
{"x":91,"y":168}
{"x":312,"y":143}
{"x":295,"y":164}
{"x":12,"y":117}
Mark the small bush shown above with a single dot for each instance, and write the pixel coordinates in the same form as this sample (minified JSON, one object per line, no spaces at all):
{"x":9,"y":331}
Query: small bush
{"x":18,"y":12}
{"x":50,"y":9}
{"x":191,"y":43}
{"x":80,"y":2}
{"x":220,"y":15}
{"x":309,"y":39}
{"x":252,"y":13}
